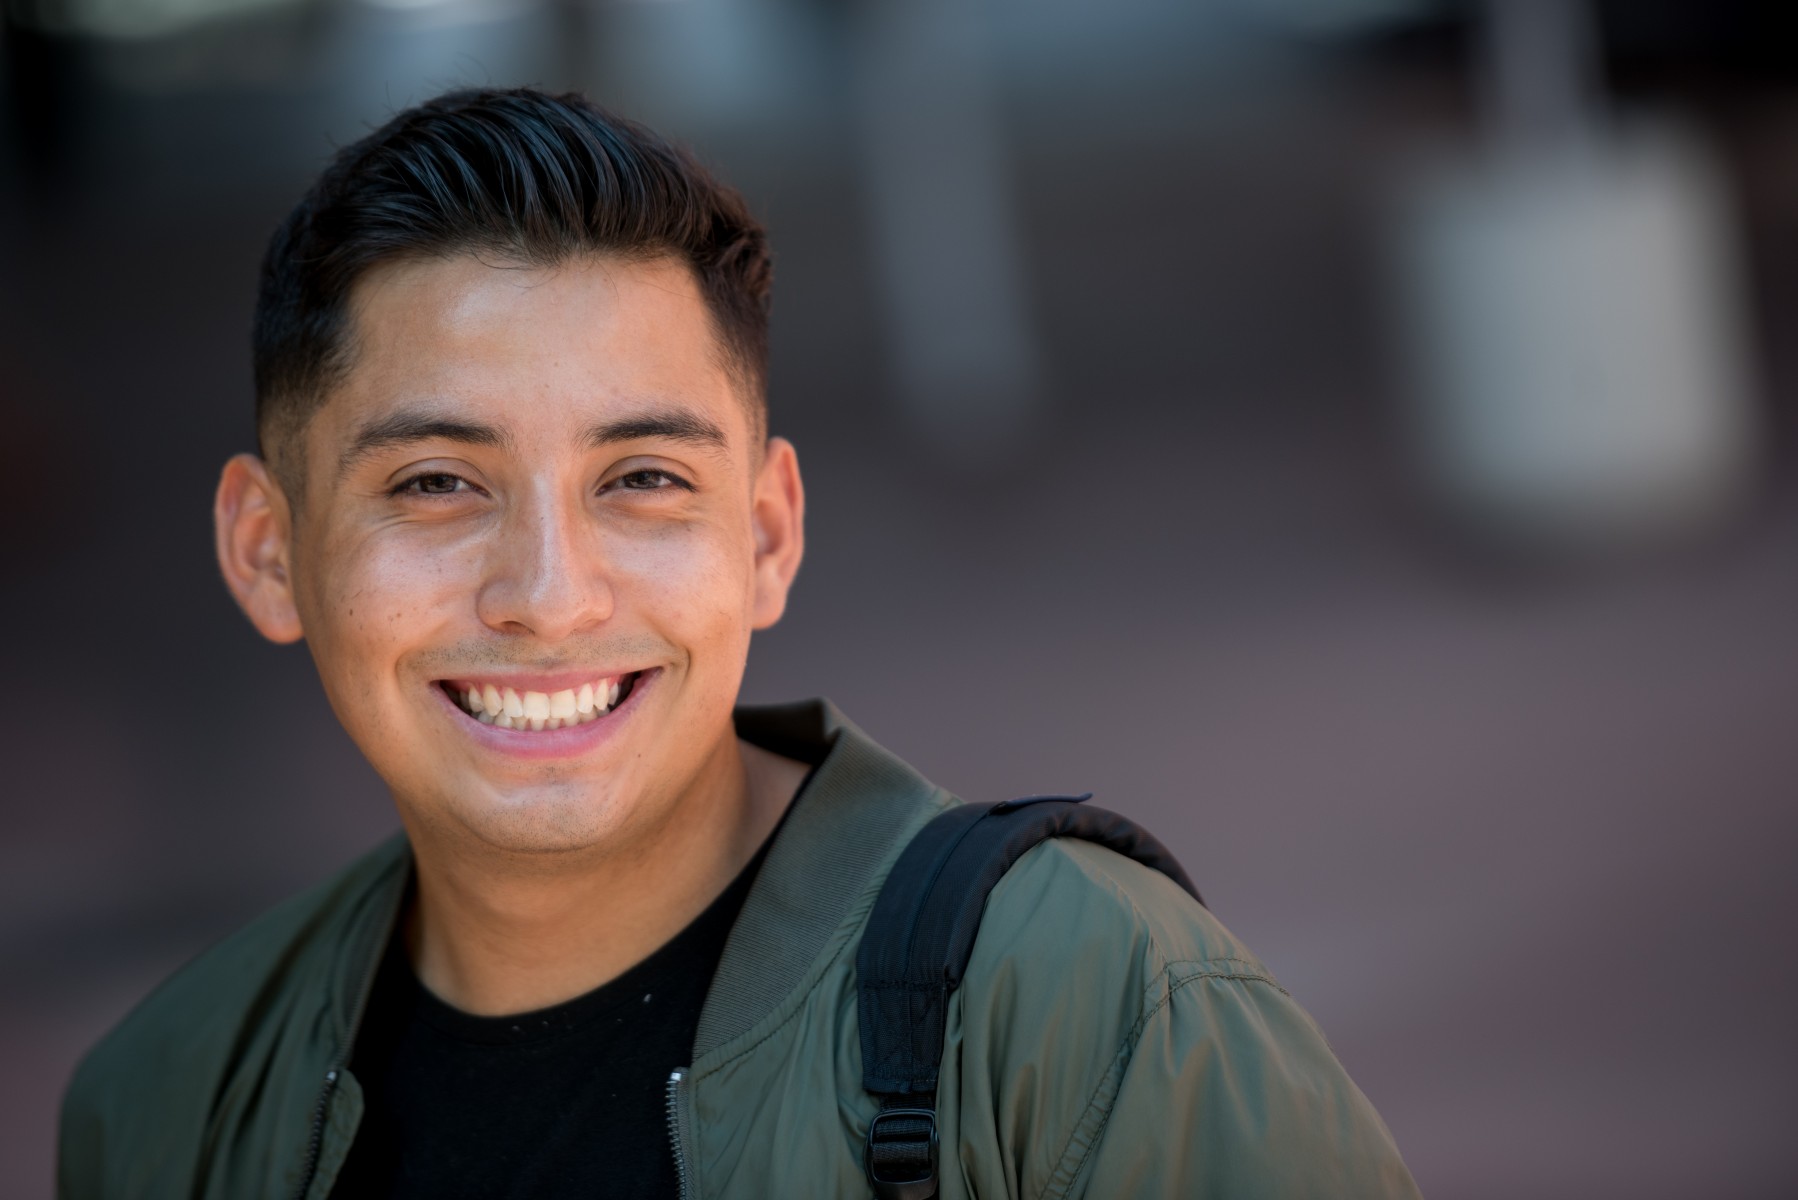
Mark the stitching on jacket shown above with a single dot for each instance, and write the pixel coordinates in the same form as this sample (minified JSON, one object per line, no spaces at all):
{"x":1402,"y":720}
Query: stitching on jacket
{"x":1120,"y":890}
{"x":821,"y":970}
{"x":858,"y":916}
{"x":1127,"y":1051}
{"x":1251,"y":972}
{"x":798,"y":1010}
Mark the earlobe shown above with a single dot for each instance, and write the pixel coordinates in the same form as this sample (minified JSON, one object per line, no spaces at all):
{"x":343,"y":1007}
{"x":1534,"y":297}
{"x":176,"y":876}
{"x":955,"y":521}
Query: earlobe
{"x":252,"y":524}
{"x":779,"y":517}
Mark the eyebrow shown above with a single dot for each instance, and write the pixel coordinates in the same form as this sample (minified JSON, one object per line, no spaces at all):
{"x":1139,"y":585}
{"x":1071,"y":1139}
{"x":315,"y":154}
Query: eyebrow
{"x":412,"y":425}
{"x":679,"y":425}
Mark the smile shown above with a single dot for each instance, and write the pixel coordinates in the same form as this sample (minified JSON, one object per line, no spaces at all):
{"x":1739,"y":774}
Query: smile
{"x":493,"y":703}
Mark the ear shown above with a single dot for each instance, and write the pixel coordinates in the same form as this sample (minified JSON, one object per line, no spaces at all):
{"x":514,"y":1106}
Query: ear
{"x":254,"y":529}
{"x":779,"y":519}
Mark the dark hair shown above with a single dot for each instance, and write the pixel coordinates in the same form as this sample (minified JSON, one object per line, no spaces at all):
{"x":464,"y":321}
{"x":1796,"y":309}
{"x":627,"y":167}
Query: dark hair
{"x":519,"y":174}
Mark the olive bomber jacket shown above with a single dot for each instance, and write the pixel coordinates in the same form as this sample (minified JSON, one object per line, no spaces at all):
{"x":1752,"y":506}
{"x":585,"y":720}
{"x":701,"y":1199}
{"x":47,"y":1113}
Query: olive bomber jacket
{"x":1110,"y":1038}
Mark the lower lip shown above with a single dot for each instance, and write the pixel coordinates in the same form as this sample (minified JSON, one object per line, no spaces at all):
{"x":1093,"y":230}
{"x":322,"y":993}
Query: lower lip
{"x":567,"y":742}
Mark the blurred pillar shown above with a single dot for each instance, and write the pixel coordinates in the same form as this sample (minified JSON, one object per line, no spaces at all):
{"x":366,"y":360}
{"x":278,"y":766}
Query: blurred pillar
{"x":575,"y":40}
{"x":944,"y":224}
{"x":1538,"y":77}
{"x":43,"y":72}
{"x":1572,"y":309}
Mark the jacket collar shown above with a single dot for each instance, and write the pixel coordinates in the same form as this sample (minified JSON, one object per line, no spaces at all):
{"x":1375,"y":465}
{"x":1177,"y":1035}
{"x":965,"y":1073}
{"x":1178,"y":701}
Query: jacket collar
{"x":849,"y":821}
{"x":852,"y":817}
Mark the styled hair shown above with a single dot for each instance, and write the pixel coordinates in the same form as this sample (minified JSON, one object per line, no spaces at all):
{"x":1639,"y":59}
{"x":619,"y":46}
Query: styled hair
{"x":521,"y":175}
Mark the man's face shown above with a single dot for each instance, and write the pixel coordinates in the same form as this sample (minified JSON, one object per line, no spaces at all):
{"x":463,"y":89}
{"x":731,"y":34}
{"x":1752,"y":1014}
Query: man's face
{"x":537,"y":533}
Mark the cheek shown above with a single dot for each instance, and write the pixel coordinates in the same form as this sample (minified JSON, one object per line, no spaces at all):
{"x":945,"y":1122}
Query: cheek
{"x":696,"y":579}
{"x":375,"y":597}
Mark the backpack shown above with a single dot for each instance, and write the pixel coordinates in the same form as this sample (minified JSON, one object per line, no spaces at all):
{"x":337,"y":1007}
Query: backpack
{"x":919,"y":937}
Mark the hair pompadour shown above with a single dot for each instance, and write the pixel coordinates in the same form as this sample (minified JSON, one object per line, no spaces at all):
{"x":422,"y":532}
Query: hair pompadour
{"x":521,"y":175}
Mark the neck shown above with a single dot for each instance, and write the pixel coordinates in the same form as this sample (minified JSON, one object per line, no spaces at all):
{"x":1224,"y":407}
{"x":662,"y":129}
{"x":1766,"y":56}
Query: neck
{"x":494,"y":936}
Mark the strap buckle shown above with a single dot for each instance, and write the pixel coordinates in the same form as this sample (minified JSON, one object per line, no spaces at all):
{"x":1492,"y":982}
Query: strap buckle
{"x":900,"y":1155}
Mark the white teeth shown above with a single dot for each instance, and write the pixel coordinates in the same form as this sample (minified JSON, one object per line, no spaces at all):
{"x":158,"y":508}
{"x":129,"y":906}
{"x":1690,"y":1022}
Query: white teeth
{"x":510,"y":709}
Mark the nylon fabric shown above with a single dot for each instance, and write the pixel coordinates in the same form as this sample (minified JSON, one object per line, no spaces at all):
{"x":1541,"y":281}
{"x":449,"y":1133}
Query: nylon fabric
{"x":1110,"y":1039}
{"x":923,"y":926}
{"x":838,"y":838}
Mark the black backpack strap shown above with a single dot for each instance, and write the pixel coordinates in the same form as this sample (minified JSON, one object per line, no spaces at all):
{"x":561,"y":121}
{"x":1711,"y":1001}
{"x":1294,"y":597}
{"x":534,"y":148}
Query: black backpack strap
{"x":917,"y":944}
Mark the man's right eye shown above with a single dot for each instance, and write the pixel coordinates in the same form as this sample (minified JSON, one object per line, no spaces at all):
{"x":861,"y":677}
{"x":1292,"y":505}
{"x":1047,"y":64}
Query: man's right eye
{"x":431,"y":484}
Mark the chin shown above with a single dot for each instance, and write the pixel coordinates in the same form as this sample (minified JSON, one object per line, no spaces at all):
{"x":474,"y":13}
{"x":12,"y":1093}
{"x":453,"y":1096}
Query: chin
{"x":553,"y":823}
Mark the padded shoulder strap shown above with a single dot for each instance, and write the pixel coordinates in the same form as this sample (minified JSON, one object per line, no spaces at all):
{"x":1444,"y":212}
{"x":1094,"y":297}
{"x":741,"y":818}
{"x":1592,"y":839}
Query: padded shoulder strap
{"x":917,"y":945}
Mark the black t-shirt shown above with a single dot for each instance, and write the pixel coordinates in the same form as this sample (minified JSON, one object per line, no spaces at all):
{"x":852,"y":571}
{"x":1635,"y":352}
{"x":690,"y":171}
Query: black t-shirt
{"x":566,"y":1101}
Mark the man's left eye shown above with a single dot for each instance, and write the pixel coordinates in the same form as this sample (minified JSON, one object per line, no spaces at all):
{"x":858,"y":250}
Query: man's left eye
{"x":649,"y":480}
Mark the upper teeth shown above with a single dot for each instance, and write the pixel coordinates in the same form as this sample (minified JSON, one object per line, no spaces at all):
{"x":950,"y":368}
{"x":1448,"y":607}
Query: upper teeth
{"x":510,"y":709}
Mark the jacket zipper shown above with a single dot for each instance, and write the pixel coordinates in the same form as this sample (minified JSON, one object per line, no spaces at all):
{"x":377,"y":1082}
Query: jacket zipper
{"x":339,"y":1063}
{"x":677,"y":1133}
{"x":317,"y":1141}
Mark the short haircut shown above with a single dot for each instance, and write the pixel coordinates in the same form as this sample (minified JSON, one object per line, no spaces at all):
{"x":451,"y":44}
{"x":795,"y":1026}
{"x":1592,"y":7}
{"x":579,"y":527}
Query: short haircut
{"x":521,"y":175}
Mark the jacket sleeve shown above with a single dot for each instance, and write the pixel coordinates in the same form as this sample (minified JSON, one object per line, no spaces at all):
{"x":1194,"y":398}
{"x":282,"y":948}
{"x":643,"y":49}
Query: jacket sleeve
{"x":77,"y":1154}
{"x":1229,"y":1090}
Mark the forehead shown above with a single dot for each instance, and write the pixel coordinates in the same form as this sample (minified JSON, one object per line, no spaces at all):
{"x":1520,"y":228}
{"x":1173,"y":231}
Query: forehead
{"x":538,"y":350}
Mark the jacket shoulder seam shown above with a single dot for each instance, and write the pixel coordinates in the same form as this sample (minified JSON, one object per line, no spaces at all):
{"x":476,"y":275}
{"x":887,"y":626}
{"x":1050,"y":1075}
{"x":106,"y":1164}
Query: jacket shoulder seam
{"x":1156,"y":949}
{"x":1246,"y":970}
{"x":1105,"y":1091}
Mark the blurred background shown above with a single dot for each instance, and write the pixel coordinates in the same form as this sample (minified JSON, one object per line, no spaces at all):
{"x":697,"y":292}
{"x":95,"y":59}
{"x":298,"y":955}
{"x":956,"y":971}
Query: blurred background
{"x":1354,"y":437}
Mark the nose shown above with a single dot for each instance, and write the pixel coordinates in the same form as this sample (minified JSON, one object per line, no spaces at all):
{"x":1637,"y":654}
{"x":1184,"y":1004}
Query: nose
{"x":546,"y":572}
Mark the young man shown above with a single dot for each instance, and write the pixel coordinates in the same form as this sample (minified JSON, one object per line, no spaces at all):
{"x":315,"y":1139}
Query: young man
{"x":517,"y":496}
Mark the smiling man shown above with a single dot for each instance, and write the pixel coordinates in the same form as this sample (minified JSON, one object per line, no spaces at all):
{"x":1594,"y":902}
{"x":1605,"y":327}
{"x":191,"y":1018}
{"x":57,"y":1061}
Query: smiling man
{"x":517,"y":496}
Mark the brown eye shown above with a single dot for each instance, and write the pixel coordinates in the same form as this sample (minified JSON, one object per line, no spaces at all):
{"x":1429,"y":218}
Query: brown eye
{"x":651,"y":480}
{"x":435,"y":484}
{"x":644,"y":480}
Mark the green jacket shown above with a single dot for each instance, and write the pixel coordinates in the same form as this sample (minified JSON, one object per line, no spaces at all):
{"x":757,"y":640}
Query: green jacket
{"x":1110,"y":1038}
